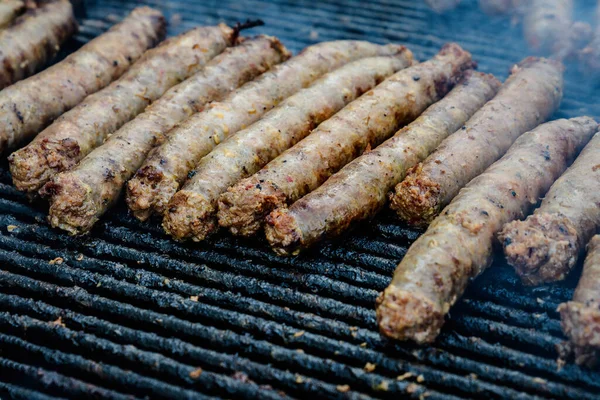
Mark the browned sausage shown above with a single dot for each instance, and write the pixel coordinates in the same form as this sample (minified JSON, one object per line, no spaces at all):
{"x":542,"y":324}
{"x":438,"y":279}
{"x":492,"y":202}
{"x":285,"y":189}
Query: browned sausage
{"x":458,"y":244}
{"x":251,"y":148}
{"x":30,"y":105}
{"x":82,"y":195}
{"x":361,"y":125}
{"x":76,"y":133}
{"x":34,"y":39}
{"x":546,"y":246}
{"x":358,"y":191}
{"x":168,"y":165}
{"x":528,"y":97}
{"x":9,"y":9}
{"x":580,"y":318}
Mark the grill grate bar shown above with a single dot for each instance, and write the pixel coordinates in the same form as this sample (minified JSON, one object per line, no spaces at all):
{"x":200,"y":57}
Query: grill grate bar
{"x":224,"y":281}
{"x":130,"y":358}
{"x":53,"y":383}
{"x":20,"y":350}
{"x":330,"y":348}
{"x":19,"y":393}
{"x":182,"y":350}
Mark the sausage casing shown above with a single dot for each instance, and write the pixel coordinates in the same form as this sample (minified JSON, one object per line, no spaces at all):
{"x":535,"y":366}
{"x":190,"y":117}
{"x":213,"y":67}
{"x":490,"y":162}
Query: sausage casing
{"x":34,"y":39}
{"x":9,"y":9}
{"x":457,"y":246}
{"x":168,"y":165}
{"x":358,"y":191}
{"x":580,"y":318}
{"x":77,"y":132}
{"x":546,"y":246}
{"x":82,"y":195}
{"x":248,"y":150}
{"x":31,"y":104}
{"x":528,"y":97}
{"x":363,"y":123}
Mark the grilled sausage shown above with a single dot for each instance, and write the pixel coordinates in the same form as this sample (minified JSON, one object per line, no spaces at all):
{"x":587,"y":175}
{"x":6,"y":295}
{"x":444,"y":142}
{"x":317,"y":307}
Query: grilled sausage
{"x":34,"y":39}
{"x":76,"y":133}
{"x":30,"y":105}
{"x":9,"y":10}
{"x":546,"y":246}
{"x":358,"y":191}
{"x":547,"y":25}
{"x":81,"y":196}
{"x":251,"y":148}
{"x":580,"y":318}
{"x":168,"y":165}
{"x":528,"y":97}
{"x":440,"y":6}
{"x":362,"y":124}
{"x":457,"y":246}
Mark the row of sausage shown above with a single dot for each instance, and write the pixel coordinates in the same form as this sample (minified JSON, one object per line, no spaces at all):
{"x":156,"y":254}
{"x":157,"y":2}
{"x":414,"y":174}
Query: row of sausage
{"x":212,"y":130}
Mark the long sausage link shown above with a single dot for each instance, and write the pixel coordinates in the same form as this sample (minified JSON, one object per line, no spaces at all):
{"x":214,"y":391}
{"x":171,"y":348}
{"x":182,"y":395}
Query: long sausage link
{"x":458,"y":245}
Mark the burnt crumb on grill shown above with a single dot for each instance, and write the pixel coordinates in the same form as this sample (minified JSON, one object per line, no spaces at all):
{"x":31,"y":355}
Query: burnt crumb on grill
{"x":195,"y":374}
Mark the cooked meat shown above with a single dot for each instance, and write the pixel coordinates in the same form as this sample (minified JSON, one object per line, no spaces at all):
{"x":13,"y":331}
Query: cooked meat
{"x":441,"y":6}
{"x":9,"y":10}
{"x":546,"y":246}
{"x":76,"y":133}
{"x":580,"y":318}
{"x":168,"y":165}
{"x":547,"y":26}
{"x":528,"y":97}
{"x":457,"y":247}
{"x":81,"y":196}
{"x":358,"y":191}
{"x":361,"y":125}
{"x":251,"y":148}
{"x":34,"y":39}
{"x":30,"y":105}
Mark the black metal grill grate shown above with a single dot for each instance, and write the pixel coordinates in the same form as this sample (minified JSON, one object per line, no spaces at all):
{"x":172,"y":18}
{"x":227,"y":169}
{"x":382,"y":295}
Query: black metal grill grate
{"x":127,"y":313}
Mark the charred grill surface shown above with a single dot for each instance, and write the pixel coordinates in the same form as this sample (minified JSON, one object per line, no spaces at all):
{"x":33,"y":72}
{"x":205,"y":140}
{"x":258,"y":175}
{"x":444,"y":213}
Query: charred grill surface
{"x":127,"y":313}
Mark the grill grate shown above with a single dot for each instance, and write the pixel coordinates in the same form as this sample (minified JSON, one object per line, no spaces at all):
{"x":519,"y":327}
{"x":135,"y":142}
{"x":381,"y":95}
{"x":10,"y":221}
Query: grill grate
{"x":128,"y":313}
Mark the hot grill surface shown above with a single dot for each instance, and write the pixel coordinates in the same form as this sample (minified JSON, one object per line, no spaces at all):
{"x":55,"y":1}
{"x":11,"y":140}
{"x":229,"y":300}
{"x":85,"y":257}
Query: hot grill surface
{"x":128,"y":313}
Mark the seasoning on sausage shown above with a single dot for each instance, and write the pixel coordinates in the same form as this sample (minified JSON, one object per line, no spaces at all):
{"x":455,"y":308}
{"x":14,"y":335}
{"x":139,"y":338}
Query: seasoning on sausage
{"x":363,"y":124}
{"x":580,"y":318}
{"x":528,"y":97}
{"x":30,"y":105}
{"x":251,"y":148}
{"x":440,"y":6}
{"x":82,"y":195}
{"x":359,"y":190}
{"x":9,"y":10}
{"x":34,"y":39}
{"x":457,"y":246}
{"x":546,"y":246}
{"x":547,"y":26}
{"x":76,"y":133}
{"x":168,"y":165}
